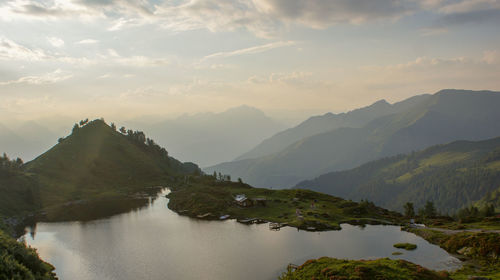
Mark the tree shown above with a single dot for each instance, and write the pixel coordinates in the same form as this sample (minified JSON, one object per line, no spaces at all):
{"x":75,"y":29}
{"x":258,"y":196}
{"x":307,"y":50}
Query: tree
{"x":240,"y":181}
{"x":215,"y":175}
{"x":488,"y":210}
{"x":113,"y":126}
{"x":75,"y":128}
{"x":430,"y":210}
{"x":409,"y":210}
{"x":60,"y":140}
{"x":123,"y":130}
{"x":84,"y":122}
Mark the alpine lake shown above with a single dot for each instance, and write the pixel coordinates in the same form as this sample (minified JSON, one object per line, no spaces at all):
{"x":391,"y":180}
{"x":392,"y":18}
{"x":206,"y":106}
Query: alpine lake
{"x":153,"y":242}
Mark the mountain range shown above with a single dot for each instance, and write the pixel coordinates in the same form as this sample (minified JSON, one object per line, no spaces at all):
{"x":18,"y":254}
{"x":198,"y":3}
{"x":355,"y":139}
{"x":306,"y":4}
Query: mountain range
{"x":26,"y":139}
{"x":210,"y":138}
{"x":344,"y":141}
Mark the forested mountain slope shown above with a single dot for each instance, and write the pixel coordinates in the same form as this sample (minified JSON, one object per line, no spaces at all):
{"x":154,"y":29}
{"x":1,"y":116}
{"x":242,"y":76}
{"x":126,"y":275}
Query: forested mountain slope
{"x":453,"y":176}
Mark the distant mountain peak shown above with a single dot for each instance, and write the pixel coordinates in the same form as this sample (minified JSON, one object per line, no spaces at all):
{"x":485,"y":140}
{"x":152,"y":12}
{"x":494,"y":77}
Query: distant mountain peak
{"x":246,"y":109}
{"x":381,"y":102}
{"x":455,"y":91}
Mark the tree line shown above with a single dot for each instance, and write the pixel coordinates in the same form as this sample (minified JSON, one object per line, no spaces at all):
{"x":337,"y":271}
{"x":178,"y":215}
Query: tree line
{"x":466,"y":214}
{"x":10,"y":166}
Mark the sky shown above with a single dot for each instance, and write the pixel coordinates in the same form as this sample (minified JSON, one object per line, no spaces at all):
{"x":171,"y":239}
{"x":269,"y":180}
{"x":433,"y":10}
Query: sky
{"x":123,"y":59}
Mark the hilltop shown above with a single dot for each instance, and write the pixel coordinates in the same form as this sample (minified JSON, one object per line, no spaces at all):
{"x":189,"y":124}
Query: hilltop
{"x":94,"y":162}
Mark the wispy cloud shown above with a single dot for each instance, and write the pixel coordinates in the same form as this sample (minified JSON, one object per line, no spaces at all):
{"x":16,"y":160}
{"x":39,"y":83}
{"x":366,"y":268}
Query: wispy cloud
{"x":56,"y":42}
{"x":87,"y":42}
{"x":48,"y":78}
{"x":433,"y":31}
{"x":465,"y":12}
{"x":491,"y":57}
{"x":251,"y":50}
{"x":10,"y":50}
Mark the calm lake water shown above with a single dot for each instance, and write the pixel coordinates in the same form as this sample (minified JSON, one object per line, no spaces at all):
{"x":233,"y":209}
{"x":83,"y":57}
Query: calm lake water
{"x":156,"y":243}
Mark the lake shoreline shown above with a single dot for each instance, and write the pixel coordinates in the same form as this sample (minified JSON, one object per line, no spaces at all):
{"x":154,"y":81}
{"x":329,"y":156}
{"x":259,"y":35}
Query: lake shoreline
{"x":209,"y":199}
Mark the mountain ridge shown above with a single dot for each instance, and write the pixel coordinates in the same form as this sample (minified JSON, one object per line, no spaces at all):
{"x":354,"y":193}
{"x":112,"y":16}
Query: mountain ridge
{"x":424,"y":121}
{"x":210,"y":138}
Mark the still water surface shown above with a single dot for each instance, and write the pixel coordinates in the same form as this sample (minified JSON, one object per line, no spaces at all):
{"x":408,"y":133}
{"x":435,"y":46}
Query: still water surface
{"x":156,"y":243}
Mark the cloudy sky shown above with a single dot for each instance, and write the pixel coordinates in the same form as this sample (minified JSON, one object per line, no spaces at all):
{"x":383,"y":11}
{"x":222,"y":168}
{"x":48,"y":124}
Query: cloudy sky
{"x":124,"y":58}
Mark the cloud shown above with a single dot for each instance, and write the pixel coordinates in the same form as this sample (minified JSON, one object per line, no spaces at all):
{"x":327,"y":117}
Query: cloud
{"x":465,"y":12}
{"x":423,"y":63}
{"x":56,"y":42}
{"x":251,"y":50}
{"x":264,"y":18}
{"x":467,"y":6}
{"x":114,"y":57}
{"x":45,"y":9}
{"x":433,"y":31}
{"x":87,"y":42}
{"x":48,"y":78}
{"x":10,"y":50}
{"x":479,"y":16}
{"x":491,"y":57}
{"x":323,"y":13}
{"x":141,"y":61}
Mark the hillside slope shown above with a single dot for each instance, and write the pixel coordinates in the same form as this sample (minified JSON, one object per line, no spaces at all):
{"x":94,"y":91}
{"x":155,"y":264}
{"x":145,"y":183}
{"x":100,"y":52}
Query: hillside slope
{"x":453,"y":176}
{"x":95,"y":161}
{"x":446,"y":116}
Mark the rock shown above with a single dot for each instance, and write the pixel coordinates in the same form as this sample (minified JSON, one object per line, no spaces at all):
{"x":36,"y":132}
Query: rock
{"x":465,"y":251}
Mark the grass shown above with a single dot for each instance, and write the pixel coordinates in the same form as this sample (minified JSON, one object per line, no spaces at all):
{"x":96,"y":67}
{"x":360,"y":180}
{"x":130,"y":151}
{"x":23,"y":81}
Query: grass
{"x":406,"y":246}
{"x":495,"y":165}
{"x":445,"y":158}
{"x":330,"y":268}
{"x":204,"y":195}
{"x":480,"y":250}
{"x":97,"y":162}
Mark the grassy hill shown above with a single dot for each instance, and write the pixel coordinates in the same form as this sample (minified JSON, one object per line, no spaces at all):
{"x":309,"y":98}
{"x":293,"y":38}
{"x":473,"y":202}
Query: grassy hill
{"x":209,"y":198}
{"x":453,"y":176}
{"x":446,"y":116}
{"x":330,"y":268}
{"x":94,"y":162}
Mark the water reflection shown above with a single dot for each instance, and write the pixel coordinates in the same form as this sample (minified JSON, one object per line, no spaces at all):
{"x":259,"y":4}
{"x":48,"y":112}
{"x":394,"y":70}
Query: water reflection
{"x":155,"y":243}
